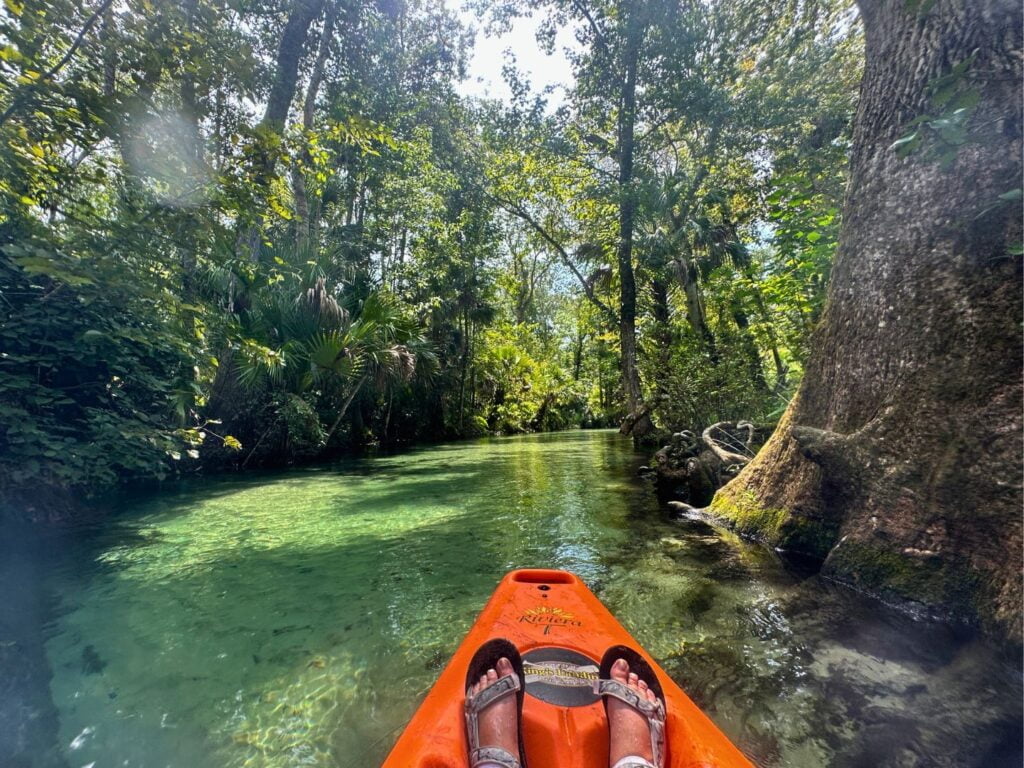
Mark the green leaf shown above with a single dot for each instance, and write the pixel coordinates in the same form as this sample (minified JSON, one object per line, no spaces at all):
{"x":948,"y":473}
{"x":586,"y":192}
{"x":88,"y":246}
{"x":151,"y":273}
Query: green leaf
{"x":42,"y":265}
{"x":968,"y":99}
{"x":906,"y":144}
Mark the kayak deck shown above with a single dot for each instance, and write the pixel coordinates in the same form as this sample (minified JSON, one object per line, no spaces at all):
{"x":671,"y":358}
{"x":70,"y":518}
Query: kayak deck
{"x":562,"y":630}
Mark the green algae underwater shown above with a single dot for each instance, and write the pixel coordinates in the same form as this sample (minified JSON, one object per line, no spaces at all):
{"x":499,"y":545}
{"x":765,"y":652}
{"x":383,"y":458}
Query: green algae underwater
{"x":298,"y":618}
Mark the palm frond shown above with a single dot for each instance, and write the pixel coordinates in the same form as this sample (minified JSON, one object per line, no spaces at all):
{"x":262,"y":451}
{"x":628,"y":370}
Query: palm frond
{"x":259,"y":365}
{"x":322,"y":304}
{"x":333,"y":351}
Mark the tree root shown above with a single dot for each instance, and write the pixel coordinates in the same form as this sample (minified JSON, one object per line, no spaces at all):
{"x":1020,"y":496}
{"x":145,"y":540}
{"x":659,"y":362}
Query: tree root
{"x":693,"y":468}
{"x":719,"y":436}
{"x":841,"y":457}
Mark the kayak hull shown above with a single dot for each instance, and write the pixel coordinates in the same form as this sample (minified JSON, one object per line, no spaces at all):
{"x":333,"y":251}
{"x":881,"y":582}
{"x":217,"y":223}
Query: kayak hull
{"x":562,"y":630}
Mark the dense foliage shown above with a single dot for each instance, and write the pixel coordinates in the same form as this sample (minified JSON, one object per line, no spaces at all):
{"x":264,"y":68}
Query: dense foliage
{"x":256,"y":232}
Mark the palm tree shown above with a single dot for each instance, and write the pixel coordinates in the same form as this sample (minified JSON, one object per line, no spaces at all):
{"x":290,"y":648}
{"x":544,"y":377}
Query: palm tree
{"x":303,"y":334}
{"x":382,"y":345}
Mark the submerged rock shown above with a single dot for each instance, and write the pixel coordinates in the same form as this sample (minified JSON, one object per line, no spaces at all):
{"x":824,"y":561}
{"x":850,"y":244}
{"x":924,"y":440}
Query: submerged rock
{"x":92,"y":664}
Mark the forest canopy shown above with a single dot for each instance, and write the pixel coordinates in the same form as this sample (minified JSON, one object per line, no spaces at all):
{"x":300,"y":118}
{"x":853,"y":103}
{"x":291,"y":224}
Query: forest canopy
{"x":253,"y":233}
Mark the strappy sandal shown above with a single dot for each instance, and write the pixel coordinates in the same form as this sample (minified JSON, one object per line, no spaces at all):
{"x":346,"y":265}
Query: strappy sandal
{"x":484,"y":659}
{"x":653,"y":711}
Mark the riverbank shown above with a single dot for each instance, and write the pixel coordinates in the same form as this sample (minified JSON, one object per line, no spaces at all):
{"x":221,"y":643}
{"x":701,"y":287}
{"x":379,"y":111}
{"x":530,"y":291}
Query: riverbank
{"x":279,"y":616}
{"x":929,"y":565}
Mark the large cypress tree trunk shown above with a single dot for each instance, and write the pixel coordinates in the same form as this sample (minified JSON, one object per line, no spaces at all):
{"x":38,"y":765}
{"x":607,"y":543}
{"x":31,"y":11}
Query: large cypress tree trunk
{"x":899,"y":461}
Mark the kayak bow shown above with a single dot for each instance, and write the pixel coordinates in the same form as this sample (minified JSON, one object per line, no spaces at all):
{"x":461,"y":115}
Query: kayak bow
{"x":562,"y":630}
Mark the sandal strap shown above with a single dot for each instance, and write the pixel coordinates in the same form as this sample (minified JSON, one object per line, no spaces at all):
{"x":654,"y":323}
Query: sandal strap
{"x":503,"y":686}
{"x":654,"y":711}
{"x":493,"y":755}
{"x":622,"y":692}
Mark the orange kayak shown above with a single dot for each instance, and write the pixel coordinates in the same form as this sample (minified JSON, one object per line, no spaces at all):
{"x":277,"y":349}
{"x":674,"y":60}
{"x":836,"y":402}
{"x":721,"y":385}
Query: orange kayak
{"x":562,"y":630}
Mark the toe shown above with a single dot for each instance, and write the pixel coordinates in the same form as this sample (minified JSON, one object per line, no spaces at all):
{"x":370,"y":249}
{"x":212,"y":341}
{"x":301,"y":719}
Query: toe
{"x":504,"y":667}
{"x":491,"y":675}
{"x":651,"y":695}
{"x":483,"y":681}
{"x":620,"y":670}
{"x":641,"y":685}
{"x":633,"y":679}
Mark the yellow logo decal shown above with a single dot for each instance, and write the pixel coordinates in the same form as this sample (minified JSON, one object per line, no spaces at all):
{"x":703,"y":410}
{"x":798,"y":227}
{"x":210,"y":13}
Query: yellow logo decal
{"x":544,"y":610}
{"x":544,"y":614}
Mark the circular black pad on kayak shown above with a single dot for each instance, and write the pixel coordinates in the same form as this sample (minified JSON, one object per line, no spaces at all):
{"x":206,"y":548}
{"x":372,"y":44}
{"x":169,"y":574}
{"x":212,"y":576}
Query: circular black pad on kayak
{"x":560,"y":676}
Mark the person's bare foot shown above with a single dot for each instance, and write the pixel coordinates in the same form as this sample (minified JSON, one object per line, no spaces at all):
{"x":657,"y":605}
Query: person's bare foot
{"x":628,"y":731}
{"x":499,"y":721}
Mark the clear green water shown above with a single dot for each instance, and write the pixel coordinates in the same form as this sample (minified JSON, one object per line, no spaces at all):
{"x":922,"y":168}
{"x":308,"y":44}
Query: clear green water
{"x":298,"y":618}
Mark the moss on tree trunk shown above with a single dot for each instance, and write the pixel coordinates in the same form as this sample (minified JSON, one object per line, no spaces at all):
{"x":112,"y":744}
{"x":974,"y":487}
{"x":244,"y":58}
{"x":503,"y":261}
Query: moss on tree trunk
{"x":899,"y":462}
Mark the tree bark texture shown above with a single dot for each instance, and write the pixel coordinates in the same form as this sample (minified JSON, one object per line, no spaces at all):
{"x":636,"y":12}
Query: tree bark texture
{"x":695,"y":313}
{"x":289,"y":52}
{"x":899,"y":461}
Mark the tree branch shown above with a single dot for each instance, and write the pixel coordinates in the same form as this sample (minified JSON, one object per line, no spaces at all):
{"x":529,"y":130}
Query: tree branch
{"x":16,"y":102}
{"x":316,"y":77}
{"x":524,"y":215}
{"x":599,"y":36}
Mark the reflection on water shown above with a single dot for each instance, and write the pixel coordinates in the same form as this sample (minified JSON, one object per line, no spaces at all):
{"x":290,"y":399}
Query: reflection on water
{"x":298,"y":618}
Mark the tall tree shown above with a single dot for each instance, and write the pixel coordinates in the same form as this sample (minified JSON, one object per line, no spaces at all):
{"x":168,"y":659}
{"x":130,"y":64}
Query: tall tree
{"x":638,"y":421}
{"x":301,"y":16}
{"x":303,"y":226}
{"x":899,"y":461}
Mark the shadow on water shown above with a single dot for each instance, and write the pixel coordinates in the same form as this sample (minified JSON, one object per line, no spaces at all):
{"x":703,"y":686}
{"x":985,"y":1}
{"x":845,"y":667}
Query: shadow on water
{"x":29,"y":720}
{"x":309,"y":626}
{"x":298,"y":617}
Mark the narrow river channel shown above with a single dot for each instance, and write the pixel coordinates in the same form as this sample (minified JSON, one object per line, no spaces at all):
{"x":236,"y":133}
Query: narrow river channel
{"x":298,"y":618}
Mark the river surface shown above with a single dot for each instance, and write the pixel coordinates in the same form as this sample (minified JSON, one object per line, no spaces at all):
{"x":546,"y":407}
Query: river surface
{"x":296,"y":619}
